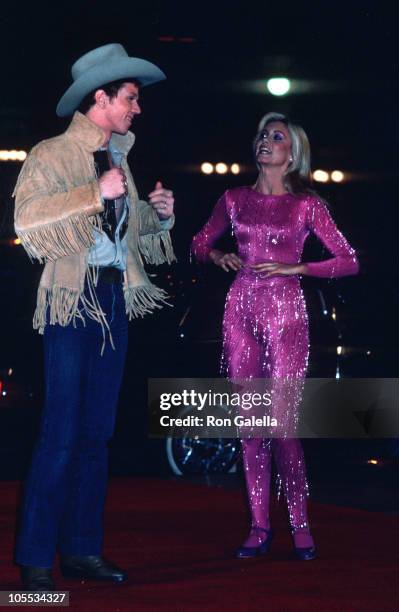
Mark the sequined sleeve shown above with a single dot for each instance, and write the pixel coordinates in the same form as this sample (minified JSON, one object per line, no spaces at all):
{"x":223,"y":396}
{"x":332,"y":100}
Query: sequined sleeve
{"x":217,"y":224}
{"x":344,"y":262}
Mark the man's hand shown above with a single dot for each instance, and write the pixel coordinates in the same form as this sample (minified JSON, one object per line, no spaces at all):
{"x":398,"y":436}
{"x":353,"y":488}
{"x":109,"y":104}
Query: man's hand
{"x":113,"y":184}
{"x":162,"y":201}
{"x":273,"y":268}
{"x":227,"y":261}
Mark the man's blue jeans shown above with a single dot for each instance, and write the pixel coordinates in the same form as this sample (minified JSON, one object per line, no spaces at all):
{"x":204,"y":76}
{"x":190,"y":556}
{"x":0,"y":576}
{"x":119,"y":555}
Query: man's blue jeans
{"x":66,"y":486}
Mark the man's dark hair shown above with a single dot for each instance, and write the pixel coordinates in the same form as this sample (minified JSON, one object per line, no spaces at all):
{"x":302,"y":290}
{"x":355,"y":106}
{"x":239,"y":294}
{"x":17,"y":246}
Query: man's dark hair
{"x":111,"y":89}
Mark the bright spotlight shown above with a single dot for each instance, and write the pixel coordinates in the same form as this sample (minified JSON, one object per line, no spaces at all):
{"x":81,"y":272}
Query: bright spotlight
{"x":207,"y":168}
{"x":235,"y":168}
{"x":320,"y":176}
{"x":279,"y":86}
{"x":221,"y":168}
{"x":12,"y":155}
{"x":337,"y":176}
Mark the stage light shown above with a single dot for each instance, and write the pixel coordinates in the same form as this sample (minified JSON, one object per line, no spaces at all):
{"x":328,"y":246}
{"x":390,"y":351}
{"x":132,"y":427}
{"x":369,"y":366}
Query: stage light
{"x":235,"y":168}
{"x":321,"y":176}
{"x":337,"y":176}
{"x":334,"y":315}
{"x":373,"y":461}
{"x":339,"y":350}
{"x":221,"y":168}
{"x":13,"y":155}
{"x":16,"y":241}
{"x":206,"y":168}
{"x":278,"y":86}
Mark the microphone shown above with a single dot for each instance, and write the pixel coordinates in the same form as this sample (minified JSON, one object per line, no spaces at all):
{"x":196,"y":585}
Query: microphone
{"x":108,"y":216}
{"x":101,"y":162}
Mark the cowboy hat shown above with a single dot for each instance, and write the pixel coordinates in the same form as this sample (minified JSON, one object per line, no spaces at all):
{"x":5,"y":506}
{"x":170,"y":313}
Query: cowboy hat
{"x":101,"y":66}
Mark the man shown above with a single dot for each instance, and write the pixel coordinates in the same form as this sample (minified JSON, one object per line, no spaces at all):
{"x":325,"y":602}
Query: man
{"x":77,"y":210}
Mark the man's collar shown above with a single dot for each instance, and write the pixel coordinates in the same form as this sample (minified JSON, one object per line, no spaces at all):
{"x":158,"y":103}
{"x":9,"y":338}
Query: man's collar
{"x":123,"y":144}
{"x":92,"y":137}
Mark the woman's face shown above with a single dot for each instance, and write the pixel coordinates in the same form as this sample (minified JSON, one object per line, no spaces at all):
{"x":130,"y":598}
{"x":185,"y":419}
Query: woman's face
{"x":273,"y":145}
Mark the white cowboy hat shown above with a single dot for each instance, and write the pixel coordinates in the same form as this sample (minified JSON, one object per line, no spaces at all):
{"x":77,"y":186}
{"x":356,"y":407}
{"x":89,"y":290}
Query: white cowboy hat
{"x":101,"y":66}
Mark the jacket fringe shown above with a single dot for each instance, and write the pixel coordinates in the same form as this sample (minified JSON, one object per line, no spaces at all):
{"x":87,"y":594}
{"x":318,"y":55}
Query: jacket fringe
{"x":61,"y":238}
{"x":150,"y":246}
{"x":64,"y":308}
{"x":142,"y":300}
{"x":63,"y":303}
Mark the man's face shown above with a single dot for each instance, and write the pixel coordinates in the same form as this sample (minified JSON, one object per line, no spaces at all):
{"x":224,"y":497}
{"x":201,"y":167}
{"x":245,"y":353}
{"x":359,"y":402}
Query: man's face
{"x":120,"y":110}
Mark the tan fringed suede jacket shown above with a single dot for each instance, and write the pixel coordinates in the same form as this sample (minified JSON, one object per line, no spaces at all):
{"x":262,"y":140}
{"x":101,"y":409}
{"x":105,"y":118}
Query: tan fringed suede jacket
{"x":57,"y":206}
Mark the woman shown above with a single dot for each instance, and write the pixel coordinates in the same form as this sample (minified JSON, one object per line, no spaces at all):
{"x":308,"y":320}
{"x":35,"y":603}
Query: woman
{"x":265,"y":326}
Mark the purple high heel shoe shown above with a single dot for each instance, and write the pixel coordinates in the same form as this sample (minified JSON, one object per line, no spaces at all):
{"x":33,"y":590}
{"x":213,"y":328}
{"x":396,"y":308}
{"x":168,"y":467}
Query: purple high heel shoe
{"x":246,"y":552}
{"x":304,"y":553}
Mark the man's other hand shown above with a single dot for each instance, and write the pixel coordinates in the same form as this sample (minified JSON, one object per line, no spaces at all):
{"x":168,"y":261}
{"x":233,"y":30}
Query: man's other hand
{"x":162,"y":201}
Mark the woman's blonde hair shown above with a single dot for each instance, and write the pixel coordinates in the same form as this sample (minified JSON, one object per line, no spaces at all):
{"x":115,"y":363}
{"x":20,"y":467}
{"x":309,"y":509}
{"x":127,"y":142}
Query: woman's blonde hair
{"x":298,"y":177}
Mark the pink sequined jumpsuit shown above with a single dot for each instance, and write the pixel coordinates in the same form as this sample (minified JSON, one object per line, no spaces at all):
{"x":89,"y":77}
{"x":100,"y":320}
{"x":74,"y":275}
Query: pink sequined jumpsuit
{"x":265,"y":327}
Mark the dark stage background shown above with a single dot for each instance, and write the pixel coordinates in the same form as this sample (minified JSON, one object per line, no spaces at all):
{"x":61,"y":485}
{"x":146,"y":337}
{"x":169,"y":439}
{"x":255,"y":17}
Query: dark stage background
{"x":343,"y":60}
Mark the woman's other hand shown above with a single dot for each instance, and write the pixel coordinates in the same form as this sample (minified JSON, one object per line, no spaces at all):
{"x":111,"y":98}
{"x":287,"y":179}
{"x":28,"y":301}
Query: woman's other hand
{"x":227,"y":261}
{"x":271,"y":268}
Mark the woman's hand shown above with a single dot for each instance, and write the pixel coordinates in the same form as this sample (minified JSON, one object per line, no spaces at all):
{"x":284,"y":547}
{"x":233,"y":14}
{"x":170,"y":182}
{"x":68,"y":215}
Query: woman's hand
{"x":227,"y":261}
{"x":272,"y":268}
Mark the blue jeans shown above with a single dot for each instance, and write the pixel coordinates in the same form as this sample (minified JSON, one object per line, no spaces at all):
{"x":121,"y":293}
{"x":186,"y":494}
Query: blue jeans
{"x":66,"y":485}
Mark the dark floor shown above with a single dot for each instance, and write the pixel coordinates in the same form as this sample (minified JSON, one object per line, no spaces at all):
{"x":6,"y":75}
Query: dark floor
{"x":176,"y":540}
